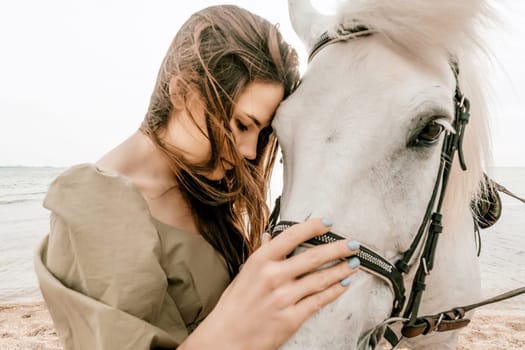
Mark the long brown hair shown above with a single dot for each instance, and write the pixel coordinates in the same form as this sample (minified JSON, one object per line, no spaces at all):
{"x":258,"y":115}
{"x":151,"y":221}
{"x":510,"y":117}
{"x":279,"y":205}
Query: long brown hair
{"x":215,"y":55}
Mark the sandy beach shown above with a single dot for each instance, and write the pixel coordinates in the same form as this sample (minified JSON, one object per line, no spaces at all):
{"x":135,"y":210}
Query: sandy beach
{"x":29,"y":327}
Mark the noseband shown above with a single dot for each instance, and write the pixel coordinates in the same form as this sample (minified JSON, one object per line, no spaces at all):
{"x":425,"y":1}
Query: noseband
{"x":427,"y":236}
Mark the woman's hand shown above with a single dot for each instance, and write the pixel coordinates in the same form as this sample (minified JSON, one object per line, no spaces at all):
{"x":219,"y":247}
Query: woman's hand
{"x":272,"y":296}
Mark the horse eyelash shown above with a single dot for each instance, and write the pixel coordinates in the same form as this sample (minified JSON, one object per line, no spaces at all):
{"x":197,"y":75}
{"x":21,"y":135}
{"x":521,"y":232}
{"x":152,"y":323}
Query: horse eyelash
{"x":441,"y":120}
{"x":445,"y":124}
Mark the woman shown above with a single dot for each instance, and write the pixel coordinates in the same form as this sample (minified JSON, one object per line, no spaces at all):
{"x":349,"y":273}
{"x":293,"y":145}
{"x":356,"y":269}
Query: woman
{"x":146,"y":246}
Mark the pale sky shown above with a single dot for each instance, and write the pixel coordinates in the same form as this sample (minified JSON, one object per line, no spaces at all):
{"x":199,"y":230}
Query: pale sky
{"x":76,"y":76}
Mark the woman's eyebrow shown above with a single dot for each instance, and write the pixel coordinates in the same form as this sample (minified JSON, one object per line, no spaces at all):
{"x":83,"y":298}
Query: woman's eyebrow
{"x":254,"y":120}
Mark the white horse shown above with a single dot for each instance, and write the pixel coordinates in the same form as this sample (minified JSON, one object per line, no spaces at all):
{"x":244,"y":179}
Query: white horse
{"x":361,"y":140}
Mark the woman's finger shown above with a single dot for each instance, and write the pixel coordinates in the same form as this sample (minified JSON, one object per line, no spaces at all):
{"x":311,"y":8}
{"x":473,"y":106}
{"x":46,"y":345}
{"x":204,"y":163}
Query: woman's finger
{"x":314,"y":302}
{"x":320,"y":280}
{"x":289,"y":239}
{"x":313,"y":258}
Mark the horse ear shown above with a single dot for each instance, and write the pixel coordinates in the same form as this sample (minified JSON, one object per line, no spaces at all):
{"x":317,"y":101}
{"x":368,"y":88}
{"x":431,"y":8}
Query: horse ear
{"x":307,"y":22}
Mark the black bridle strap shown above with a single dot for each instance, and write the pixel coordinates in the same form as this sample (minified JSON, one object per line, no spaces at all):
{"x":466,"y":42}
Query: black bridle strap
{"x":343,"y":34}
{"x":370,"y":261}
{"x":462,"y":109}
{"x":403,"y":264}
{"x":451,"y":144}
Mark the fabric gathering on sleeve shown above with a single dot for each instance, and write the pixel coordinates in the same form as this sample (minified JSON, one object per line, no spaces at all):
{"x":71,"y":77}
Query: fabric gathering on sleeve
{"x":115,"y":278}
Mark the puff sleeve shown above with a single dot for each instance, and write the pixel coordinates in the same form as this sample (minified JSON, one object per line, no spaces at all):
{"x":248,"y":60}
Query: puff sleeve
{"x":100,"y":268}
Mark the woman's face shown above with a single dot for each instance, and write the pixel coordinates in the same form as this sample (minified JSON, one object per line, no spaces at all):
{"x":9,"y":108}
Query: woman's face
{"x":253,"y":111}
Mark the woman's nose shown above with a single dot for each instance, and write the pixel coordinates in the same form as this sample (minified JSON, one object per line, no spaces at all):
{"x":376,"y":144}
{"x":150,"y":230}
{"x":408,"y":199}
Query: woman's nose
{"x":249,"y":149}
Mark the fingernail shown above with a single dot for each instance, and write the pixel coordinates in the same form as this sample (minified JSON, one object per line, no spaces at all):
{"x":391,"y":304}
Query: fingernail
{"x":354,"y":262}
{"x":263,"y":236}
{"x":327,"y":222}
{"x":346,"y":282}
{"x":353,"y":245}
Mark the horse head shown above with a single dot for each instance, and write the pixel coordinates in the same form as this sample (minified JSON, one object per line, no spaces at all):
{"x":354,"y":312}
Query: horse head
{"x":362,"y":140}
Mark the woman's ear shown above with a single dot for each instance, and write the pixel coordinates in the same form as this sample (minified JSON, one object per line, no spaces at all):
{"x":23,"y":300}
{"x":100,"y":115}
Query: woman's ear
{"x":177,"y":93}
{"x":186,"y":103}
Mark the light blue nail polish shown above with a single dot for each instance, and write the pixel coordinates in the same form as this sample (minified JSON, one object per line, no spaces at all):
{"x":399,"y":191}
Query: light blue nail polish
{"x":327,"y":222}
{"x":346,"y":282}
{"x":354,"y":262}
{"x":353,"y":245}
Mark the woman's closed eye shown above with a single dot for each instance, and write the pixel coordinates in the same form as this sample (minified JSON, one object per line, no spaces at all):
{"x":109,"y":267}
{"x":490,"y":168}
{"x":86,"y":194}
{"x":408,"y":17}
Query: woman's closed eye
{"x":240,"y":126}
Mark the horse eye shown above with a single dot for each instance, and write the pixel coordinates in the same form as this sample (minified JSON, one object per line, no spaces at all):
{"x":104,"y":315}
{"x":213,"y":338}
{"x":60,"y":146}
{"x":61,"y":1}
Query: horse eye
{"x":428,"y":136}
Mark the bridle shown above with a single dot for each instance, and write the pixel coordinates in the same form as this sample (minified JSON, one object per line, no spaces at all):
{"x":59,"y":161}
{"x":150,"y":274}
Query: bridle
{"x":426,"y":239}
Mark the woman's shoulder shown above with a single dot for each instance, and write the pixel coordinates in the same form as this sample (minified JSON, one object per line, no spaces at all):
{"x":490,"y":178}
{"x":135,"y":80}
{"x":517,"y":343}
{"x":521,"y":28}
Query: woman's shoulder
{"x":91,"y":175}
{"x":83,"y":191}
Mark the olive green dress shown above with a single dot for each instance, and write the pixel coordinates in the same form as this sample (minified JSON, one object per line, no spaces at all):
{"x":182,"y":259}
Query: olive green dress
{"x":114,"y":277}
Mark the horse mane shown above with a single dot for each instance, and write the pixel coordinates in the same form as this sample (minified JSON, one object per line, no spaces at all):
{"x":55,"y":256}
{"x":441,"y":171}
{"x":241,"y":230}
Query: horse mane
{"x":455,"y":28}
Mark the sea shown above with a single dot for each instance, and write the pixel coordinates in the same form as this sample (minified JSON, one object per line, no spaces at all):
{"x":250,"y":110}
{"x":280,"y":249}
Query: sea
{"x":24,"y":222}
